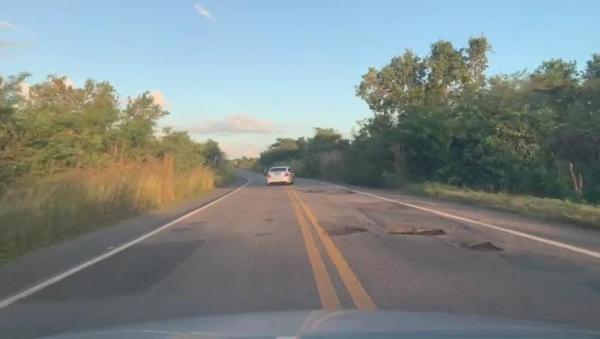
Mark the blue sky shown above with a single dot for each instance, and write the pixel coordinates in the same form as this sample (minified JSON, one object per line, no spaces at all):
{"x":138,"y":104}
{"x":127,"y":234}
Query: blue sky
{"x":245,"y":72}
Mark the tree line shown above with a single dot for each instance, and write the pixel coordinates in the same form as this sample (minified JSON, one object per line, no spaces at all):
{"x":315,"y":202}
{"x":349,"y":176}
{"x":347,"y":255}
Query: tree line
{"x":439,"y":117}
{"x":52,"y":126}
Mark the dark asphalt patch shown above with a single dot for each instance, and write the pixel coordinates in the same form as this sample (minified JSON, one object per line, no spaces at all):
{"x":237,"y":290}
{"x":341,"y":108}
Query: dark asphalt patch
{"x":539,"y":263}
{"x":181,"y":229}
{"x":130,"y":272}
{"x":485,"y":246}
{"x":417,"y":231}
{"x":380,"y":206}
{"x":195,"y":223}
{"x":262,"y":234}
{"x":594,"y":285}
{"x":269,"y":219}
{"x":345,"y":230}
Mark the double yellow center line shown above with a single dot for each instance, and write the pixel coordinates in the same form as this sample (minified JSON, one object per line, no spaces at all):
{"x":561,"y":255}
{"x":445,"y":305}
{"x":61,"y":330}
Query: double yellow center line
{"x":327,"y":293}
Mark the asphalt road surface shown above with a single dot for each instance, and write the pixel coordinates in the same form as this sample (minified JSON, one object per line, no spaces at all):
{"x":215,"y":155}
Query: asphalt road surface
{"x":311,"y":246}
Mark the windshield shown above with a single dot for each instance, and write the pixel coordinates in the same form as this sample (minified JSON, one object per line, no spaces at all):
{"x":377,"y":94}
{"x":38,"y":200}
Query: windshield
{"x":198,"y":159}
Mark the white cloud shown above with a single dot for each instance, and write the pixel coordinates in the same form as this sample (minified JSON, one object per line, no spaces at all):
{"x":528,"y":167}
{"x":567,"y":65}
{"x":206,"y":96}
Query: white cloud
{"x":237,"y":150}
{"x":5,"y":25}
{"x":202,"y":11}
{"x":159,"y":98}
{"x":235,"y":123}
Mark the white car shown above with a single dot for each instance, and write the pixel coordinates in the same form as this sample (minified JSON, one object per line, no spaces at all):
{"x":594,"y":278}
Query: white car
{"x":280,"y":174}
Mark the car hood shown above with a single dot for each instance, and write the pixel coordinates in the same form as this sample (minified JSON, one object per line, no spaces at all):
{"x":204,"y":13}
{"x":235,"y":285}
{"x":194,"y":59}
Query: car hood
{"x":337,"y":324}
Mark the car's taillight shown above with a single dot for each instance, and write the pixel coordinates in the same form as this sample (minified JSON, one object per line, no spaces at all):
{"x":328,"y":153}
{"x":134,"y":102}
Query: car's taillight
{"x":268,"y":175}
{"x":286,"y":174}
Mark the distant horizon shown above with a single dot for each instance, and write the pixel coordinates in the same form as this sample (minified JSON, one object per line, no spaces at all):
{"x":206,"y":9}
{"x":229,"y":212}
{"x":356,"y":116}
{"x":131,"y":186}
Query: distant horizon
{"x":246,"y":73}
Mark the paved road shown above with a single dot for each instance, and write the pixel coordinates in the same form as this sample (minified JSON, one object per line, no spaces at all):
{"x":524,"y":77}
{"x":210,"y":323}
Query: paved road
{"x":313,"y":246}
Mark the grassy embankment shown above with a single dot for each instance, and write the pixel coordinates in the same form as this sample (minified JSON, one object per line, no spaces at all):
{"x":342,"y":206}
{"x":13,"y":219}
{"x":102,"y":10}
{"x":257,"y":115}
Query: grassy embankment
{"x":35,"y":212}
{"x":550,"y":209}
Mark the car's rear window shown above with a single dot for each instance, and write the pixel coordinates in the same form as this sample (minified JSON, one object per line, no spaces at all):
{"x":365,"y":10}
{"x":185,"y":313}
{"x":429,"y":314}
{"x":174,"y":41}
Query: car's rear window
{"x":278,"y":169}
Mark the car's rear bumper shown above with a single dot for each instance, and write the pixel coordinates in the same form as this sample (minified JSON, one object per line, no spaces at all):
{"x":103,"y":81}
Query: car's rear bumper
{"x":280,"y":180}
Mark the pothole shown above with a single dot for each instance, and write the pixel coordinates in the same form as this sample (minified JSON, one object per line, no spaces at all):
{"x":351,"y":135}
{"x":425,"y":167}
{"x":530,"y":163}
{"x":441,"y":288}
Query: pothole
{"x":485,"y":246}
{"x":269,"y":219}
{"x":346,"y":230}
{"x":417,"y":231}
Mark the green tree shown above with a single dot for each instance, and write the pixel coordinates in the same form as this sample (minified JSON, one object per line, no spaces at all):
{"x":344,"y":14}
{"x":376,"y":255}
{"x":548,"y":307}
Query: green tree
{"x":57,"y":126}
{"x":283,"y":149}
{"x":187,"y":153}
{"x":213,"y":154}
{"x":576,"y":142}
{"x":396,"y":86}
{"x":554,"y":84}
{"x":137,"y":123}
{"x":10,"y":98}
{"x":476,"y":63}
{"x":447,"y":72}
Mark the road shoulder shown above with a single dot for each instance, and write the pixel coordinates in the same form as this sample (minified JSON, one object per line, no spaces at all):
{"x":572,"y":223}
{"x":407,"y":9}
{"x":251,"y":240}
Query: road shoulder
{"x":555,"y":231}
{"x":38,"y":265}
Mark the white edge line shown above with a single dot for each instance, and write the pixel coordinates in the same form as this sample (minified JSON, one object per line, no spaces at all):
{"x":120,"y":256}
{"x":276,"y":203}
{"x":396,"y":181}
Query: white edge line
{"x":559,"y":244}
{"x":10,"y":300}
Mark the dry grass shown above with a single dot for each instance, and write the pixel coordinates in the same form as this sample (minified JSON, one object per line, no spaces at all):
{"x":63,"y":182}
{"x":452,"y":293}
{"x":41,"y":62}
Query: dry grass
{"x":551,"y":209}
{"x":36,"y":212}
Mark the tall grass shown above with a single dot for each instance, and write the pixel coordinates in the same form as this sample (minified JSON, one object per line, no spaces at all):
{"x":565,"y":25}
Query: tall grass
{"x":38,"y":211}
